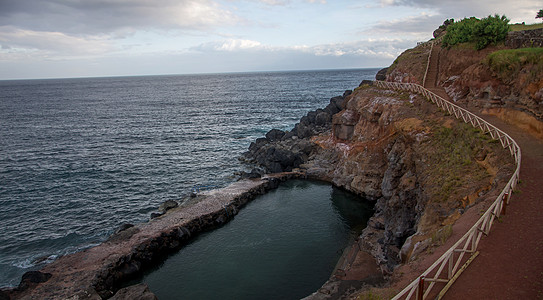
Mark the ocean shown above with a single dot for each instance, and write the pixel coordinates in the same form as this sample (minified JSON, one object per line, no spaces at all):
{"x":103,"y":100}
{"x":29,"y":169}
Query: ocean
{"x":79,"y":157}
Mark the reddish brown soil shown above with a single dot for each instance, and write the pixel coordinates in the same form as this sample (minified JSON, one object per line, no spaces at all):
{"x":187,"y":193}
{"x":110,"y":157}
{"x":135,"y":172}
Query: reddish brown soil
{"x":510,"y":263}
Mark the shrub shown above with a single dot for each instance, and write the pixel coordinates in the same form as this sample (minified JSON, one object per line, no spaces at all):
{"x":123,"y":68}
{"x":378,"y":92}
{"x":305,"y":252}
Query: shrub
{"x":490,"y":30}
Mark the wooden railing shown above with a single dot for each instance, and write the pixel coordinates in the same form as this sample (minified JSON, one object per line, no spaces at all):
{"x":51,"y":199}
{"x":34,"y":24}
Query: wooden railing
{"x":428,"y":64}
{"x":447,"y":268}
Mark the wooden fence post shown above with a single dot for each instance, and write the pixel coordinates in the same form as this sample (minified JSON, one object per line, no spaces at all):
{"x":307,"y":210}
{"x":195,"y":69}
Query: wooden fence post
{"x":504,"y":202}
{"x":420,"y":290}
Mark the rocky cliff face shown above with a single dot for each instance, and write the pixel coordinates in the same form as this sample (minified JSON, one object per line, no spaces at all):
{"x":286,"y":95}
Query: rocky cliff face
{"x":467,"y":77}
{"x":389,"y":148}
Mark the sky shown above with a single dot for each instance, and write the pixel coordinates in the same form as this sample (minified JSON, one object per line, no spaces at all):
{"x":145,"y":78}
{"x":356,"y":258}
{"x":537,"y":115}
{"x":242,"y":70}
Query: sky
{"x":88,"y":38}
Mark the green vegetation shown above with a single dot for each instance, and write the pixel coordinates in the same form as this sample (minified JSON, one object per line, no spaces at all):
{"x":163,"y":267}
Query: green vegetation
{"x":519,"y":27}
{"x":539,"y":14}
{"x":442,"y":235}
{"x":483,"y":32}
{"x":508,"y":63}
{"x":412,"y":61}
{"x":452,"y":158}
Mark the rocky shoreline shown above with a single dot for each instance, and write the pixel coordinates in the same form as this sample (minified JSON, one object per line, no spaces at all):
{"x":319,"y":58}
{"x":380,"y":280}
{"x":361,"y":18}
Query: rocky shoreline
{"x":99,"y":272}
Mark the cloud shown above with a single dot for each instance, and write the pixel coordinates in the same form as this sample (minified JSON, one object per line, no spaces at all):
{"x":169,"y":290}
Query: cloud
{"x":106,"y":16}
{"x":382,"y":48}
{"x":48,"y":44}
{"x":287,"y":2}
{"x":524,"y":10}
{"x":417,"y":26}
{"x":228,"y":45}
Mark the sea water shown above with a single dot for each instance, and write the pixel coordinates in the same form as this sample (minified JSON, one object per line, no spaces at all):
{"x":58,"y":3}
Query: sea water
{"x":79,"y":157}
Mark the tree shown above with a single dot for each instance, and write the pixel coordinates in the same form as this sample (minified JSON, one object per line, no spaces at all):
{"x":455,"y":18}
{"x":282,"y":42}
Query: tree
{"x":490,"y":30}
{"x":539,"y":14}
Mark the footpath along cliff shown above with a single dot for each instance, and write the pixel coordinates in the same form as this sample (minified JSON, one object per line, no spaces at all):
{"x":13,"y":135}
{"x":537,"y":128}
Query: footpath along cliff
{"x":421,"y":167}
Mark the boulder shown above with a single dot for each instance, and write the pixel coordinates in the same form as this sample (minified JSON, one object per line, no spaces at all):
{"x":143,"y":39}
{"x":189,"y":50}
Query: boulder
{"x":32,"y":278}
{"x":123,"y":232}
{"x":167,"y":205}
{"x":367,"y":82}
{"x":135,"y":292}
{"x":382,"y":74}
{"x":123,"y":227}
{"x":275,"y":135}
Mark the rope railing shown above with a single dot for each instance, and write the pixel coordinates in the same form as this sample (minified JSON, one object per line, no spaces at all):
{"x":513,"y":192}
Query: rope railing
{"x":447,"y":268}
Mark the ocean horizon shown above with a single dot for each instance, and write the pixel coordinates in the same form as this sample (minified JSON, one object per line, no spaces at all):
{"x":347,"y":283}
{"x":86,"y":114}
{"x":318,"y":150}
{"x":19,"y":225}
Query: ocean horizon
{"x":191,"y":74}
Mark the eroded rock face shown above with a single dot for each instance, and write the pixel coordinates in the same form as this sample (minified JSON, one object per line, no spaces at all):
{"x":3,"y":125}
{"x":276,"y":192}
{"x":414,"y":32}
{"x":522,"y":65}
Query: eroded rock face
{"x":374,"y":162}
{"x":378,"y":147}
{"x":466,"y":77}
{"x":362,"y":153}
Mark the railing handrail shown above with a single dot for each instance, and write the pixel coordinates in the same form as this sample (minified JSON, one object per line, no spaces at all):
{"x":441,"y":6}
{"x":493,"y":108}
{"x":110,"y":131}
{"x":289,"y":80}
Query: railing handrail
{"x":428,"y":64}
{"x":471,"y":238}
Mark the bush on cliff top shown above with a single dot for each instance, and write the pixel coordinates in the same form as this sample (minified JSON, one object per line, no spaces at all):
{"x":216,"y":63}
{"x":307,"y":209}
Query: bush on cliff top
{"x":490,"y":30}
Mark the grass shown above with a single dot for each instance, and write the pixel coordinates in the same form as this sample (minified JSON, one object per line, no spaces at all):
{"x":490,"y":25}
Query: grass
{"x":412,"y":59}
{"x":519,"y":27}
{"x":377,"y":294}
{"x":452,"y":158}
{"x":442,"y":235}
{"x":508,"y":63}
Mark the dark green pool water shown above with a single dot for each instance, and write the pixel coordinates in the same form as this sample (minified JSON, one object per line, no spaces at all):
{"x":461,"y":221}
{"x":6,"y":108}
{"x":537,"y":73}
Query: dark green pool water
{"x":282,"y":245}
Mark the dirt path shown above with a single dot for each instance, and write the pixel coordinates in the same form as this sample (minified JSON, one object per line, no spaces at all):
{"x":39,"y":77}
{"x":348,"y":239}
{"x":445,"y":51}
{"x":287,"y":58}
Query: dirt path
{"x":510,"y":263}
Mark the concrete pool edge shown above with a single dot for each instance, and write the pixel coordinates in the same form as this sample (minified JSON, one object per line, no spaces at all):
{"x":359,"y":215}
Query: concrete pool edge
{"x":101,"y":271}
{"x":98,"y":272}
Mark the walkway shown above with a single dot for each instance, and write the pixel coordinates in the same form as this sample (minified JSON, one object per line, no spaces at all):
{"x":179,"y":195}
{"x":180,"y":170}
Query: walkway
{"x":510,"y":263}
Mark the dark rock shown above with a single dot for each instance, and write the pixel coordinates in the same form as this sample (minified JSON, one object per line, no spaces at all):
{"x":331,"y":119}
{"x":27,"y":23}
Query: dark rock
{"x":253,"y":174}
{"x":382,"y":74}
{"x":4,"y":295}
{"x":123,"y":227}
{"x":304,"y":130}
{"x":275,"y":135}
{"x":323,"y":118}
{"x":130,"y":268}
{"x":135,"y":292}
{"x":336,"y":104}
{"x":155,"y":215}
{"x":167,"y":205}
{"x":367,"y":82}
{"x":257,"y":144}
{"x":32,"y":278}
{"x":124,"y":232}
{"x":289,"y":135}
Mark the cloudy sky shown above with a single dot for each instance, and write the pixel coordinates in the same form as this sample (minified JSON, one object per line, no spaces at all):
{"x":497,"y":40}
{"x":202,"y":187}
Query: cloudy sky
{"x":79,"y":38}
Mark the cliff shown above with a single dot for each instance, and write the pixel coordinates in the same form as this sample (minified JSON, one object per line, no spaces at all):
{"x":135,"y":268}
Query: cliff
{"x":504,"y":80}
{"x":422,"y":168}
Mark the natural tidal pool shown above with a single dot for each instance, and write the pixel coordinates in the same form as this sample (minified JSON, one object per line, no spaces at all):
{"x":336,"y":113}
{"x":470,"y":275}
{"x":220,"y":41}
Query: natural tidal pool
{"x":282,"y":245}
